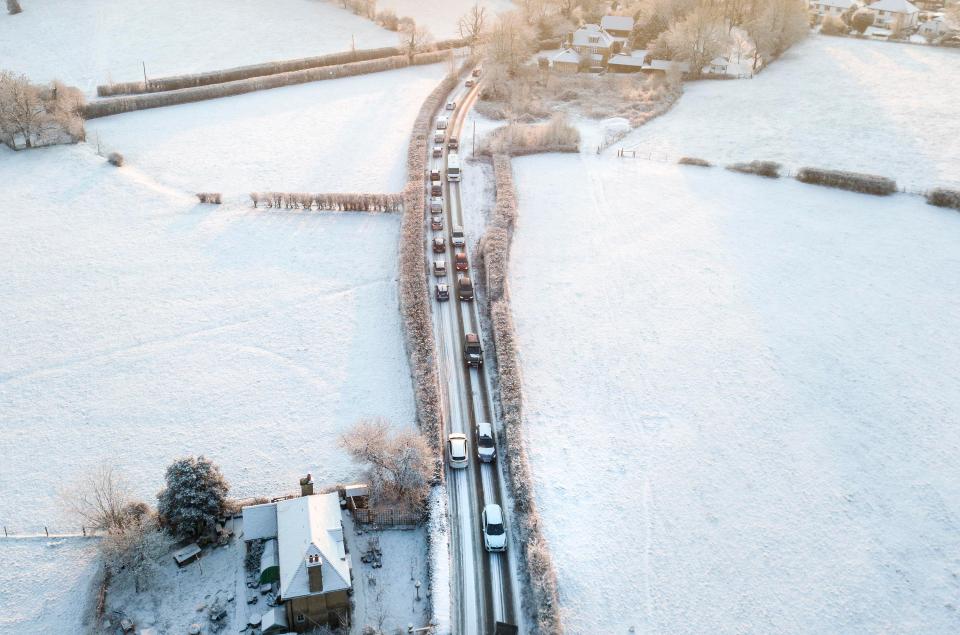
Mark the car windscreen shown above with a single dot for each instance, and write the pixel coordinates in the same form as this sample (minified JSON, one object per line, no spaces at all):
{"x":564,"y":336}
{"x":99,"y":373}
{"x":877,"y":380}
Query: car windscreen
{"x":494,"y":529}
{"x":485,"y":441}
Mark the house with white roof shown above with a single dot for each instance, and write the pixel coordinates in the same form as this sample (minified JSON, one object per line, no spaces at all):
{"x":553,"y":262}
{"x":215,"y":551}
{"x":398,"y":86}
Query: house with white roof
{"x":618,"y":26}
{"x":566,"y":61}
{"x":895,"y":14}
{"x":592,"y":43}
{"x":824,"y":8}
{"x":627,"y":63}
{"x":305,"y":554}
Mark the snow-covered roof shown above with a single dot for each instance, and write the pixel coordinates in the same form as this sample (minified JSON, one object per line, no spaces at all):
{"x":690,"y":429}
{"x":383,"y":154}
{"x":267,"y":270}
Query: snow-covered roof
{"x":311,"y":527}
{"x":894,"y":6}
{"x":839,"y":4}
{"x":567,"y":55}
{"x":878,"y":31}
{"x":665,"y":65}
{"x":581,"y":37}
{"x":626,"y":60}
{"x":616,"y":22}
{"x":275,"y":618}
{"x":719,"y":61}
{"x":260,"y":521}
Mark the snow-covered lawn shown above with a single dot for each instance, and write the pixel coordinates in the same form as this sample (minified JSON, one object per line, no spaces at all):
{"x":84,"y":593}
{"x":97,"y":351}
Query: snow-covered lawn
{"x":741,"y":399}
{"x":90,"y":42}
{"x":48,"y":585}
{"x":442,"y":18}
{"x":139,"y":326}
{"x":340,"y":135}
{"x":878,"y":107}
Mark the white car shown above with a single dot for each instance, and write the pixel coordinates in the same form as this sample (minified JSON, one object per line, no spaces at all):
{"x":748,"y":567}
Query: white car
{"x":494,"y":533}
{"x":486,"y":450}
{"x":457,"y":450}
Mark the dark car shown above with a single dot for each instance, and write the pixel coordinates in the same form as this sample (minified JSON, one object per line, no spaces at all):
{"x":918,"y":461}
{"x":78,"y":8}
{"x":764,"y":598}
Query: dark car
{"x":436,"y":189}
{"x":460,"y":262}
{"x":470,"y":83}
{"x":472,"y":350}
{"x":439,"y":245}
{"x":443,"y":292}
{"x":465,"y":289}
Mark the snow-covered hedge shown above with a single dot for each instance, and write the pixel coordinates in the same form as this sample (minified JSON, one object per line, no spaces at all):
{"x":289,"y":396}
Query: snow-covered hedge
{"x":496,"y":254}
{"x":853,"y":181}
{"x":331,"y":201}
{"x":943,"y":197}
{"x":213,"y":198}
{"x":117,"y":105}
{"x":703,"y":163}
{"x":556,"y":135}
{"x":769,"y":169}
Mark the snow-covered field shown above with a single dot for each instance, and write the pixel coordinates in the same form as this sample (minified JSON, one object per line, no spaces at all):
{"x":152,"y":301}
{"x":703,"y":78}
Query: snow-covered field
{"x":90,"y":42}
{"x":47,"y":585}
{"x":877,"y":107}
{"x":340,"y":135}
{"x":139,"y":326}
{"x":741,"y":399}
{"x":442,"y":18}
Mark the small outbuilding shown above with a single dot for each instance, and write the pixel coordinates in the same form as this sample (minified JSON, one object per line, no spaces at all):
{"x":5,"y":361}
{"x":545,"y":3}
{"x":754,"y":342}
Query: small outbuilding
{"x":566,"y":61}
{"x":188,"y":554}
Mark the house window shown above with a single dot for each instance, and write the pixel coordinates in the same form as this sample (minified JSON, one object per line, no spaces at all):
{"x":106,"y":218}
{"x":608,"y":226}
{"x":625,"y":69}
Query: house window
{"x":301,"y":618}
{"x":594,"y":39}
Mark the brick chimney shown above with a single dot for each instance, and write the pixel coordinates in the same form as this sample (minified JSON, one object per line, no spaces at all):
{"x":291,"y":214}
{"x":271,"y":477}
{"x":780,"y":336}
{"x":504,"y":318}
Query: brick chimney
{"x":306,"y":485}
{"x":315,"y":572}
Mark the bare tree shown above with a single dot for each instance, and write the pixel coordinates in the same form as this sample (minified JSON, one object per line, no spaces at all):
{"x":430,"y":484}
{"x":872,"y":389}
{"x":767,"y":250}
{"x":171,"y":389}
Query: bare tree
{"x":399,"y":461}
{"x":697,"y":38}
{"x":134,"y":551}
{"x":472,"y":24}
{"x":102,"y":500}
{"x":13,"y":6}
{"x":413,"y":37}
{"x":775,"y":26}
{"x":512,"y":41}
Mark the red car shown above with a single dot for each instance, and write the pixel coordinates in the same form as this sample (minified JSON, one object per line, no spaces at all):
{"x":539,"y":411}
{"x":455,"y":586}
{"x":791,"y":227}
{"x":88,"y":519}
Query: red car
{"x":460,"y":261}
{"x":436,"y":223}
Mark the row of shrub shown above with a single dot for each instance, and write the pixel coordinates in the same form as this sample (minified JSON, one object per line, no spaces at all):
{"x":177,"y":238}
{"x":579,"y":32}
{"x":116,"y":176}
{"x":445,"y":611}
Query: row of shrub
{"x":210,"y":197}
{"x":943,"y":197}
{"x":853,"y":181}
{"x":703,"y":163}
{"x":769,"y":169}
{"x":496,"y":255}
{"x":329,"y":201}
{"x":192,"y":80}
{"x":556,"y":135}
{"x":117,"y":105}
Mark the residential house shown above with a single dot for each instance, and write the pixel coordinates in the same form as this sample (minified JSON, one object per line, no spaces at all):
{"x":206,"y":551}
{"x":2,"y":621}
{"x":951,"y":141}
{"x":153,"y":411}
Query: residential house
{"x":627,"y":63}
{"x":896,"y":15}
{"x":593,"y":44}
{"x":618,"y":26}
{"x":306,"y":555}
{"x":566,"y":61}
{"x":823,"y":8}
{"x":934,"y":27}
{"x":662,"y":67}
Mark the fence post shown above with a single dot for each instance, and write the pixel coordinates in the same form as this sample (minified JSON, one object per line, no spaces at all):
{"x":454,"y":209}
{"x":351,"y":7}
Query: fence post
{"x":84,"y":530}
{"x":46,"y":531}
{"x":5,"y":535}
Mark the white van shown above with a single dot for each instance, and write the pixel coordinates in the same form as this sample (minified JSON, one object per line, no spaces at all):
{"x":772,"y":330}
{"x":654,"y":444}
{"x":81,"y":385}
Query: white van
{"x":441,"y":123}
{"x":453,"y":167}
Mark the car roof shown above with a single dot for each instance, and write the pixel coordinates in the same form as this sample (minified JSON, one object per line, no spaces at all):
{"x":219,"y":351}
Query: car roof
{"x":443,"y":287}
{"x":461,"y":256}
{"x":457,"y":435}
{"x":438,"y":239}
{"x":494,"y":514}
{"x":485,"y":428}
{"x":472,"y":337}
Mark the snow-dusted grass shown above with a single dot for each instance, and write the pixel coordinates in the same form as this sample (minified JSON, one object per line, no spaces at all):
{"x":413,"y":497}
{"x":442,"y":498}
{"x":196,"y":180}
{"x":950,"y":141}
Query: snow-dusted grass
{"x":741,"y":399}
{"x":341,"y":135}
{"x":90,"y":42}
{"x":47,"y":585}
{"x":836,"y":103}
{"x":139,"y":326}
{"x":441,"y":18}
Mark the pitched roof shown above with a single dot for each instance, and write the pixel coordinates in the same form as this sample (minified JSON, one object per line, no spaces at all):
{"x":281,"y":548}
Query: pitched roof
{"x":581,"y":37}
{"x":311,"y":526}
{"x":840,"y":4}
{"x":260,"y":521}
{"x":894,"y":6}
{"x":566,"y":55}
{"x":625,"y":60}
{"x":616,"y":22}
{"x":665,"y":65}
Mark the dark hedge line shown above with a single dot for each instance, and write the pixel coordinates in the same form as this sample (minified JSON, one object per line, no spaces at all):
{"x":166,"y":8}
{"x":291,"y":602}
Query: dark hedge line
{"x":943,"y":197}
{"x":853,"y":181}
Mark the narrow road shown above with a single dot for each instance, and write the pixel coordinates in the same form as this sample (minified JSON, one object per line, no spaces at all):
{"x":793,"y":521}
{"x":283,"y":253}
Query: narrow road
{"x":483,"y":586}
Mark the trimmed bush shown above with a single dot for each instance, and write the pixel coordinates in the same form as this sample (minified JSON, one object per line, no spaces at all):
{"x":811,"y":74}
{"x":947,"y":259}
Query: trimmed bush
{"x":13,"y":7}
{"x":769,"y":169}
{"x":331,"y":201}
{"x":703,"y":163}
{"x":943,"y":197}
{"x":853,"y":181}
{"x":115,"y":158}
{"x":117,"y":105}
{"x":209,"y":197}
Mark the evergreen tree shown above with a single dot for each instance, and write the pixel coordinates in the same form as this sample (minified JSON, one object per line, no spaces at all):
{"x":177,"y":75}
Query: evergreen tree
{"x":194,"y":496}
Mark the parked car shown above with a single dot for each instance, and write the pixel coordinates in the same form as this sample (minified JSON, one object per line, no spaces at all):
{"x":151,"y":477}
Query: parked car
{"x":436,"y":189}
{"x":438,"y":136}
{"x":470,"y":83}
{"x":460,"y":261}
{"x":472,"y":350}
{"x":442,"y":123}
{"x":439,"y":245}
{"x":436,"y":204}
{"x":477,"y":71}
{"x":453,"y":144}
{"x":451,"y":105}
{"x":494,"y":531}
{"x":434,"y":174}
{"x":465,"y":288}
{"x":442,"y":292}
{"x":457,"y":450}
{"x":457,"y":237}
{"x":437,"y":152}
{"x":486,"y":450}
{"x":439,"y":268}
{"x":436,"y":222}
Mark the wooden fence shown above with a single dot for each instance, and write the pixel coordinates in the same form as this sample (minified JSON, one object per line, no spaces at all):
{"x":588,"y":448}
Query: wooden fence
{"x":387,"y":518}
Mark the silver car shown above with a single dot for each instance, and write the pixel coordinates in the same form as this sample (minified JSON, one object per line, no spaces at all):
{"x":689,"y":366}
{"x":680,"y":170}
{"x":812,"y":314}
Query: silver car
{"x":486,"y":450}
{"x":494,"y":531}
{"x":457,"y":450}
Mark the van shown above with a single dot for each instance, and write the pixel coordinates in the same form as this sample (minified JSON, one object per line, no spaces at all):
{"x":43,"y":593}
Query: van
{"x":441,"y":123}
{"x":438,"y":136}
{"x":465,"y":289}
{"x":436,"y":205}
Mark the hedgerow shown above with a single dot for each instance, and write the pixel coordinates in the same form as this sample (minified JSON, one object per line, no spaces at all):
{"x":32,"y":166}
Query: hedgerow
{"x":213,"y":198}
{"x":703,"y":163}
{"x":853,"y":181}
{"x":331,"y":201}
{"x":769,"y":169}
{"x":943,"y":197}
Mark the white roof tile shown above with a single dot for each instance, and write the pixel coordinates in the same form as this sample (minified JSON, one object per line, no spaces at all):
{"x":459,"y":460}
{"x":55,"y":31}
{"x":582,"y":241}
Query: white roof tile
{"x":311,"y":525}
{"x":895,"y":6}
